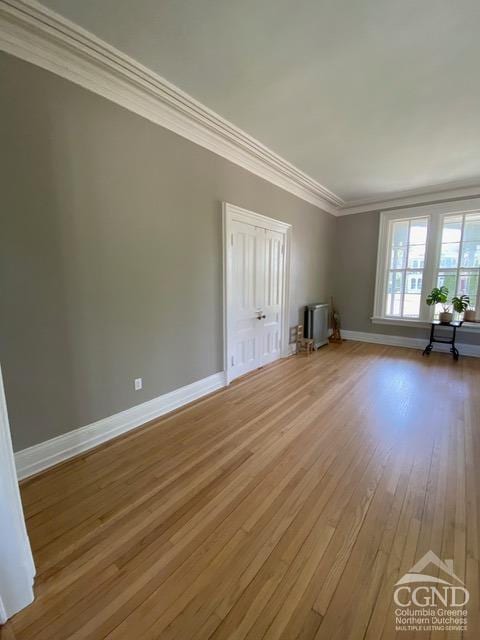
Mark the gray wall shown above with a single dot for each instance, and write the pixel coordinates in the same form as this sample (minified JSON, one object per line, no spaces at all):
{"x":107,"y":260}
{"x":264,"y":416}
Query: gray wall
{"x":111,"y":254}
{"x":354,"y":280}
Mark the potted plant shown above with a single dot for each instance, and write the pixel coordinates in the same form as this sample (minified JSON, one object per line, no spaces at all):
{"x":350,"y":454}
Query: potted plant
{"x":460,"y":304}
{"x":439,"y":295}
{"x":470,"y":315}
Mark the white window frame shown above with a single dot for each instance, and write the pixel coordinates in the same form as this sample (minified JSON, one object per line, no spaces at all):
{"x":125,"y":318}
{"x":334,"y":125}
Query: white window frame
{"x":383,"y":261}
{"x":435,"y":214}
{"x":458,"y":269}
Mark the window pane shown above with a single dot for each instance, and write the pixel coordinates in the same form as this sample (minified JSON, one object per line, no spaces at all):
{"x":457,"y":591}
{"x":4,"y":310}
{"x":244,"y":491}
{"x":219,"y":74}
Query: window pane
{"x":394,"y":293}
{"x":411,"y":305}
{"x":452,"y":229}
{"x":400,"y":234}
{"x":471,"y":231}
{"x":414,"y":278}
{"x":413,"y":290}
{"x":416,"y":257}
{"x":448,"y":280}
{"x":418,"y":231}
{"x":449,"y":255}
{"x":468,"y":285}
{"x":398,"y":259}
{"x":470,"y":254}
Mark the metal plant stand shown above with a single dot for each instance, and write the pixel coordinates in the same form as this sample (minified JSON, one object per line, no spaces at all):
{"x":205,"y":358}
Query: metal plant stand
{"x":454,"y":326}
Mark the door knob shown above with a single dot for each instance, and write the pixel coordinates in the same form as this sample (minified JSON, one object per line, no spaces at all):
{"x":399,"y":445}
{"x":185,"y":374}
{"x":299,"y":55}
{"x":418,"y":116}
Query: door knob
{"x":261,"y":316}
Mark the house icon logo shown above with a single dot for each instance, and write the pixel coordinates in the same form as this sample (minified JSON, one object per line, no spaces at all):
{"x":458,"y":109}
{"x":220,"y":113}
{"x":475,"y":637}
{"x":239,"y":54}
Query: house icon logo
{"x":419,"y":588}
{"x":415,"y":573}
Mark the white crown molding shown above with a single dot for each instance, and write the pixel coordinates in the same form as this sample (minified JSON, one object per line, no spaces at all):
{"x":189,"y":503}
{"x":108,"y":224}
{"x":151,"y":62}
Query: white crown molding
{"x":410,"y":199}
{"x":30,"y":31}
{"x":411,"y":343}
{"x":51,"y":452}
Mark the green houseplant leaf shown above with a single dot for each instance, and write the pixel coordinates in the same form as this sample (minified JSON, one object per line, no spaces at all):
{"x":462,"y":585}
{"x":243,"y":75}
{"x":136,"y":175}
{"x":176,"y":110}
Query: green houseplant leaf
{"x":438,"y":295}
{"x":460,"y":303}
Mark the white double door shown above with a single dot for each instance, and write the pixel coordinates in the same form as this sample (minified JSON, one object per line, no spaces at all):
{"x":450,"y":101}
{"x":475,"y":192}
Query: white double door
{"x":257,"y":294}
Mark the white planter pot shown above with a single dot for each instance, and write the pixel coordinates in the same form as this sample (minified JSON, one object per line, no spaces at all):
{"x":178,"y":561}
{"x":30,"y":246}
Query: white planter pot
{"x":445,"y":316}
{"x":470,"y":315}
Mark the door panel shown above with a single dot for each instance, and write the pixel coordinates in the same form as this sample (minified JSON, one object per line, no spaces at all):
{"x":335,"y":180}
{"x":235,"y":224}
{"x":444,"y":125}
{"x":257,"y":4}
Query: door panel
{"x":256,"y":297}
{"x":247,"y":295}
{"x":272,"y":309}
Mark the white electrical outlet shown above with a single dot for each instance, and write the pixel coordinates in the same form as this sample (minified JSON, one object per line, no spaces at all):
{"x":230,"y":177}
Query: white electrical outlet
{"x":138,"y":384}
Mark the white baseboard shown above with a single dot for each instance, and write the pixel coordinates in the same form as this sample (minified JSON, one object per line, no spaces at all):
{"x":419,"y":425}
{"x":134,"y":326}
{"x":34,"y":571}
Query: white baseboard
{"x":411,"y":343}
{"x":51,"y":452}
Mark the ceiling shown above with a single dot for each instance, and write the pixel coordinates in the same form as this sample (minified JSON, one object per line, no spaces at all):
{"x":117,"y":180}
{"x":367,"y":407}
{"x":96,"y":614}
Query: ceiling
{"x":369,"y":98}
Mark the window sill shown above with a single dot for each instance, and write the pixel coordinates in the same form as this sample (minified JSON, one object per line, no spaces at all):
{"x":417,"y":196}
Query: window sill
{"x":402,"y":322}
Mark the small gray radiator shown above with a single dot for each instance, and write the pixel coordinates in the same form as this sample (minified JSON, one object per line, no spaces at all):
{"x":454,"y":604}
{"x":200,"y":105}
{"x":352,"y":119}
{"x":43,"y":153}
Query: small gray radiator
{"x":316,"y":323}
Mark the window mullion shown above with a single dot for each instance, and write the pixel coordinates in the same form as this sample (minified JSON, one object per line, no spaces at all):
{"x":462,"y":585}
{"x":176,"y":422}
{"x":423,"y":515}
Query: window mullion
{"x":460,"y":253}
{"x":384,"y":259}
{"x":392,"y":297}
{"x":385,"y":300}
{"x":477,"y":302}
{"x":432,"y":260}
{"x":404,"y":273}
{"x":402,"y":294}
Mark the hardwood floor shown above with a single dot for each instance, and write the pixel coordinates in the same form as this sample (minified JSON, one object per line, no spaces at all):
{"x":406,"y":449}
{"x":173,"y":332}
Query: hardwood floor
{"x":286,"y":506}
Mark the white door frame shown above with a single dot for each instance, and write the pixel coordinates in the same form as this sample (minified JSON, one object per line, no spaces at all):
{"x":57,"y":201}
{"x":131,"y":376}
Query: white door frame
{"x":233,"y":213}
{"x":17,"y":570}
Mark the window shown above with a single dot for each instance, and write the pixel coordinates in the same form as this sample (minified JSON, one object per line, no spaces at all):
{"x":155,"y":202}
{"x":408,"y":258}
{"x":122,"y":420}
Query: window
{"x":425,"y":247}
{"x":459,"y":260}
{"x":407,"y":241}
